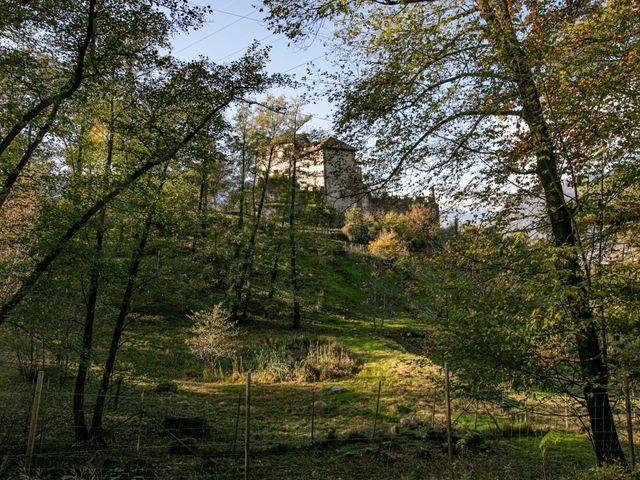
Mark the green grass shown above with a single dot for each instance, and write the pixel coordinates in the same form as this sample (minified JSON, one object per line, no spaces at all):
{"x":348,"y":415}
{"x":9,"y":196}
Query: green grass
{"x":154,"y":354}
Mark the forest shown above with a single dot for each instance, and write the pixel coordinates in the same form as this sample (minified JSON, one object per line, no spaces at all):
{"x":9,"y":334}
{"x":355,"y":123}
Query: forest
{"x":442,"y":281}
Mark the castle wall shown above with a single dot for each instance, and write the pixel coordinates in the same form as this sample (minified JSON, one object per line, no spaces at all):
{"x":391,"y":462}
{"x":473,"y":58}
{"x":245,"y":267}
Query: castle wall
{"x":328,"y":166}
{"x":343,"y":178}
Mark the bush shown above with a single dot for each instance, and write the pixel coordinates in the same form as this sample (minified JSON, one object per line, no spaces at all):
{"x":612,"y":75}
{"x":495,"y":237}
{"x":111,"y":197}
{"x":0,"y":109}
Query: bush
{"x":166,"y":387}
{"x":388,"y":246}
{"x":611,"y":472}
{"x":398,"y":223}
{"x":212,"y":335}
{"x":422,"y":224}
{"x":469,"y":440}
{"x":359,"y":227}
{"x":281,"y":361}
{"x":416,"y":227}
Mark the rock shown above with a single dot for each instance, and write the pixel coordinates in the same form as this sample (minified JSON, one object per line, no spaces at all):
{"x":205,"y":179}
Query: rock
{"x":388,"y":457}
{"x":399,"y":409}
{"x":424,"y":453}
{"x":183,"y":424}
{"x":391,"y":445}
{"x":357,"y":435}
{"x":136,"y":468}
{"x":394,"y":430}
{"x":320,"y":406}
{"x":184,"y":446}
{"x":436,"y":434}
{"x":337,"y":389}
{"x":408,"y":423}
{"x":103,"y":462}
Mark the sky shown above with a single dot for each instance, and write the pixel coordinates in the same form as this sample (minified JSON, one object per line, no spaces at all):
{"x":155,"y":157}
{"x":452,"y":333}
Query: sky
{"x":232,"y":28}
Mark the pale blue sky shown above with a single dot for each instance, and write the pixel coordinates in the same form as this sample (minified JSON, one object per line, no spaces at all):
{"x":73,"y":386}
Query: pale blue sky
{"x":234,"y":25}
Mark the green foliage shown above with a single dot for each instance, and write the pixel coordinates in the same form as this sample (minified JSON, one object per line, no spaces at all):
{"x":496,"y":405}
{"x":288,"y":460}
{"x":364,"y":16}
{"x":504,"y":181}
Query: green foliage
{"x":356,"y":227}
{"x":609,"y":472}
{"x":166,"y":387}
{"x":469,"y":440}
{"x":212,"y":335}
{"x":388,"y":246}
{"x":552,"y":438}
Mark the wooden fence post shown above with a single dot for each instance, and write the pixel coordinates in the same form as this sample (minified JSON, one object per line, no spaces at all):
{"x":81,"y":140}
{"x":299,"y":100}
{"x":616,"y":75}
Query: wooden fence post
{"x":375,"y":418}
{"x":140,"y":421}
{"x":448,"y":410}
{"x":313,"y":414}
{"x":627,"y":401}
{"x":235,"y":435}
{"x":33,"y":425}
{"x":475,"y":417}
{"x":247,"y":425}
{"x":116,"y":399}
{"x":433,"y":407}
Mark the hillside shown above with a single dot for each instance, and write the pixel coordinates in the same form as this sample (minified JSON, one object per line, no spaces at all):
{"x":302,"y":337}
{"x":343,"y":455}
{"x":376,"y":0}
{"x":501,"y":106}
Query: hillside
{"x":336,"y":360}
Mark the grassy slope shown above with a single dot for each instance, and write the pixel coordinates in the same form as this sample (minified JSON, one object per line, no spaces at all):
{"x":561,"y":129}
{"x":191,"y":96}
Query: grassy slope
{"x":154,"y":352}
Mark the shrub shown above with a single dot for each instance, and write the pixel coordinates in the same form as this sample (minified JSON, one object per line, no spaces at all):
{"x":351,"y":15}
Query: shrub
{"x":359,"y":227}
{"x":610,"y":472}
{"x":387,"y":246}
{"x":398,"y":223}
{"x":166,"y":387}
{"x":212,"y":335}
{"x":422,"y":224}
{"x":469,"y":440}
{"x":283,"y":361}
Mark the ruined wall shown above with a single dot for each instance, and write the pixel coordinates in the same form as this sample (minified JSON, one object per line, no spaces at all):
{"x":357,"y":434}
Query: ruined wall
{"x":343,"y":178}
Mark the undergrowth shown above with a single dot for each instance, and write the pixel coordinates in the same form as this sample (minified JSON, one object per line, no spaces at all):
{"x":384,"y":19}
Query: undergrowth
{"x":294,"y":360}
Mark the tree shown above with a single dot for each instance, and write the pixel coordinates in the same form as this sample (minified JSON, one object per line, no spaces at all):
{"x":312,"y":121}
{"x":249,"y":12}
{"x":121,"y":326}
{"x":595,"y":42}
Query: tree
{"x":275,"y":140}
{"x":87,"y":43}
{"x":203,"y":89}
{"x":464,"y":86}
{"x":213,"y":335}
{"x":387,"y":246}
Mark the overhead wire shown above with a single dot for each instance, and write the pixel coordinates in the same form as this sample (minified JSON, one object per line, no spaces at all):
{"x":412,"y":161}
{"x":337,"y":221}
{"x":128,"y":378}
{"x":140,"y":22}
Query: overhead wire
{"x":244,"y":17}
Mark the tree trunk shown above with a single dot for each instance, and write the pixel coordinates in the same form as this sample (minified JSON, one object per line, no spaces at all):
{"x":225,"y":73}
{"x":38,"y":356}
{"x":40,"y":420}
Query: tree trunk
{"x":272,"y":280}
{"x":247,"y":263}
{"x":295,"y":325}
{"x":202,"y":204}
{"x":98,"y":411}
{"x":605,"y":437}
{"x":79,"y":421}
{"x":237,"y":286}
{"x":134,"y":268}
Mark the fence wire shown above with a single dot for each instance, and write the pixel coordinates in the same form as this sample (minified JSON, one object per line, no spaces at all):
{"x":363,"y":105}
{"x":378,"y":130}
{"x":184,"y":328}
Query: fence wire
{"x":149,"y":430}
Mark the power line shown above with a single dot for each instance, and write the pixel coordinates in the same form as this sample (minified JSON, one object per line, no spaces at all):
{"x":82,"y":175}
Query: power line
{"x":259,"y":22}
{"x":244,"y":48}
{"x":215,"y":32}
{"x":303,"y":64}
{"x":245,"y":17}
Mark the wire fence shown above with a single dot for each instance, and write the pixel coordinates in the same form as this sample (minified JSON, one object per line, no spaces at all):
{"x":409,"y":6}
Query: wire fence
{"x":238,"y":428}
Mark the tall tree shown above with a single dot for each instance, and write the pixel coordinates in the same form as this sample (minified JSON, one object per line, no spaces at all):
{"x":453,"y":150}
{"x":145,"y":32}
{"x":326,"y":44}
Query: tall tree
{"x":464,"y":86}
{"x":198,"y":87}
{"x":52,"y":49}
